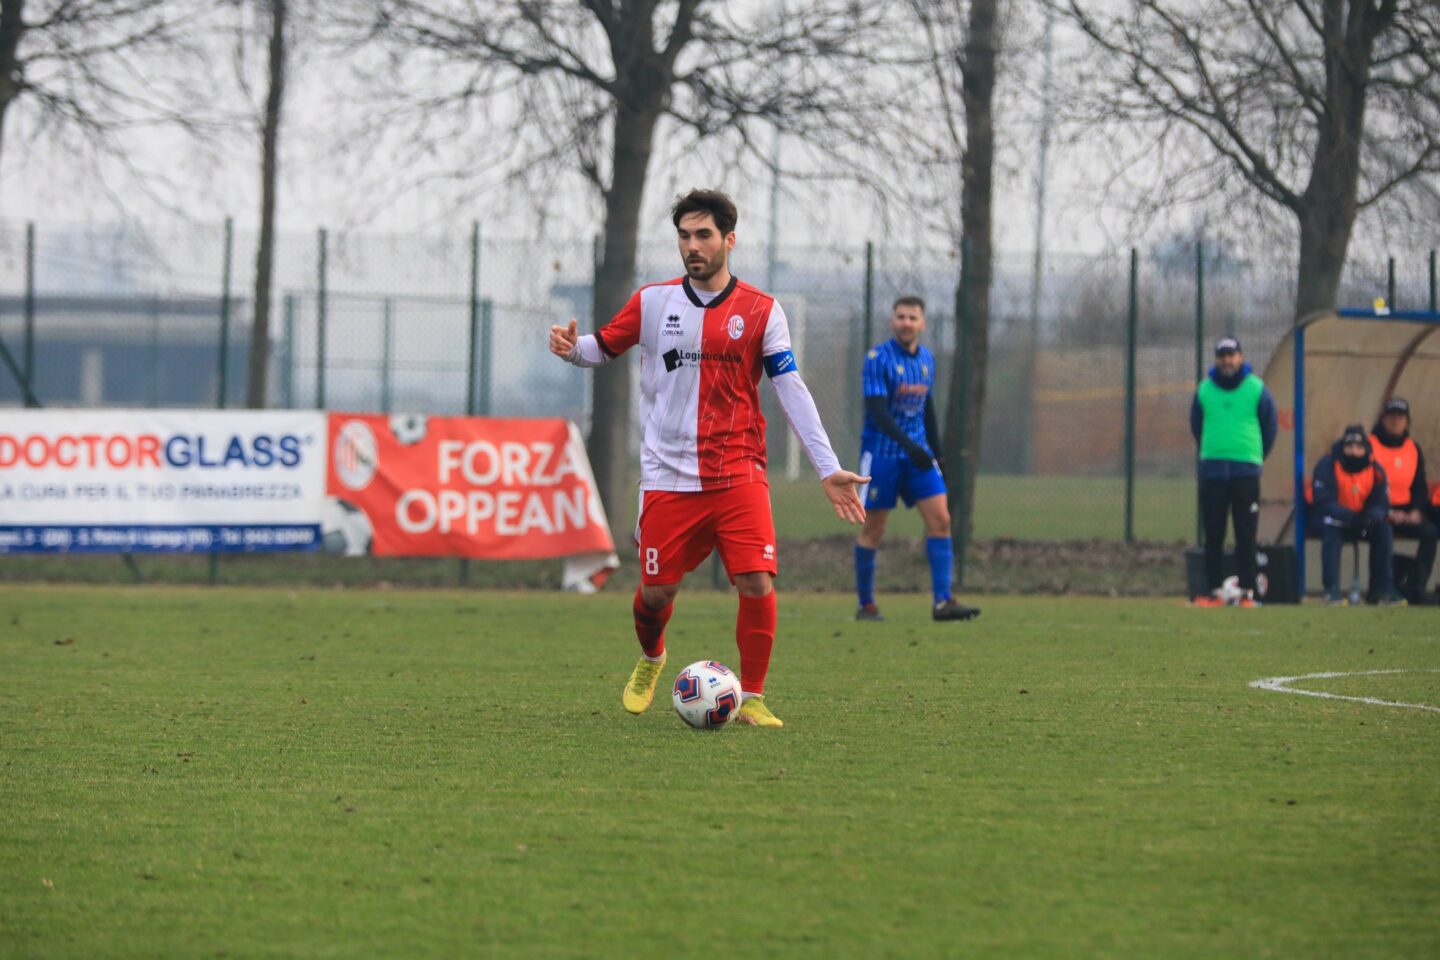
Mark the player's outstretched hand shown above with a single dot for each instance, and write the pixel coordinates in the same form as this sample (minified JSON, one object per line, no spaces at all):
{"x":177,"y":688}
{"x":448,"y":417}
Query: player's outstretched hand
{"x":563,"y":339}
{"x":843,"y":489}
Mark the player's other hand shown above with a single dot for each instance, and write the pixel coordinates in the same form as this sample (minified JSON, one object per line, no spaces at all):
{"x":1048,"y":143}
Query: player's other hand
{"x":843,"y":489}
{"x":563,"y":339}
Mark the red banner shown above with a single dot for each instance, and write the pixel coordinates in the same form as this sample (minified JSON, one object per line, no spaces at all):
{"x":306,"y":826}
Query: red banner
{"x":467,"y":486}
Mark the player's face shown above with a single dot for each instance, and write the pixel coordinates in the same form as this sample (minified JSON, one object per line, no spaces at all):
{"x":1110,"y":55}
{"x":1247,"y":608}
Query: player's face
{"x":1229,"y":363}
{"x":703,"y":248}
{"x":908,"y":322}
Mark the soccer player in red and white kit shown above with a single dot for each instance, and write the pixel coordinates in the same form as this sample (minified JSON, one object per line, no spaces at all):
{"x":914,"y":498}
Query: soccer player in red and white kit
{"x":705,"y":338}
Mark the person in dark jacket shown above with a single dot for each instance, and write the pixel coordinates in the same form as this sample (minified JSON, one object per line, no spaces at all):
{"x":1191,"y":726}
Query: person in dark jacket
{"x":1404,"y":464}
{"x":1233,"y":420}
{"x":1352,"y":501}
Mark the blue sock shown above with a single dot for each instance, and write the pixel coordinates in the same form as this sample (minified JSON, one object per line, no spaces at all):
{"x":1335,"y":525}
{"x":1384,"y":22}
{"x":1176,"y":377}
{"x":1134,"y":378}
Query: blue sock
{"x":942,"y":566}
{"x":865,"y":574}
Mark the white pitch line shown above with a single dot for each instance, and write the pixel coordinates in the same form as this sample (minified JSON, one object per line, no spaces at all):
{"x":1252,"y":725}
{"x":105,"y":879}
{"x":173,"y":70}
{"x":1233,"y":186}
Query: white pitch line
{"x":1282,"y":685}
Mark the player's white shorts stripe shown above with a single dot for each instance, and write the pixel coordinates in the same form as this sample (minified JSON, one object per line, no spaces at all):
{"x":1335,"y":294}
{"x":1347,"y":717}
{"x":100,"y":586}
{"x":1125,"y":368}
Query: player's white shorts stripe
{"x":865,"y":460}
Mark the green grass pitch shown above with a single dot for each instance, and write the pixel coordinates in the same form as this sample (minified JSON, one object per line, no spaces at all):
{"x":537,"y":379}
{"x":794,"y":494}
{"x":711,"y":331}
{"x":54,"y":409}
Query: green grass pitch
{"x":1020,"y":507}
{"x":261,"y":773}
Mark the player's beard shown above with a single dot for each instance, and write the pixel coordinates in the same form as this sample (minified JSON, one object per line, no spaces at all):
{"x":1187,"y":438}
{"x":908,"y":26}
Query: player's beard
{"x":703,"y":270}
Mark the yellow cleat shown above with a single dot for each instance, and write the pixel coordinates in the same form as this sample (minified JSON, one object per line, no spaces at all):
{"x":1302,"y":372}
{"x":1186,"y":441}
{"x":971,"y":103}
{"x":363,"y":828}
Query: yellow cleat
{"x":640,"y":688}
{"x":754,"y":712}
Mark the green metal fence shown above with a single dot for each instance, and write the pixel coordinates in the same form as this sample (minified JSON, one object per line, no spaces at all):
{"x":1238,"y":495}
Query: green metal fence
{"x":1091,"y":370}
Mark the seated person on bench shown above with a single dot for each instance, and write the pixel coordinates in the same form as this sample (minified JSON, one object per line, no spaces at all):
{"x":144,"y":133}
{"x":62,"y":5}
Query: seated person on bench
{"x":1404,"y":464}
{"x":1352,"y":501}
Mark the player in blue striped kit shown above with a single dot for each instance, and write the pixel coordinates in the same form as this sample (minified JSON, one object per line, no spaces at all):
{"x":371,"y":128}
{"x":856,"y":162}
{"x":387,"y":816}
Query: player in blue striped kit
{"x":900,"y":451}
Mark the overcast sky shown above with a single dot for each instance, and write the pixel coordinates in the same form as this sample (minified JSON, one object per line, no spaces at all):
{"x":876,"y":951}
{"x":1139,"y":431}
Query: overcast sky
{"x":317,"y":191}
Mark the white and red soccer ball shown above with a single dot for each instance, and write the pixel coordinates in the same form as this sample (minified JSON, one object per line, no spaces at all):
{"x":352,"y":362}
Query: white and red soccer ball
{"x":707,"y":694}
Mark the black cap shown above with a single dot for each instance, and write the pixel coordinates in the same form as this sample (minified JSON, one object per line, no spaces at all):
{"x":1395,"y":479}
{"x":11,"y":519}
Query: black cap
{"x":1227,"y":344}
{"x":1398,"y":405}
{"x":1355,"y":433}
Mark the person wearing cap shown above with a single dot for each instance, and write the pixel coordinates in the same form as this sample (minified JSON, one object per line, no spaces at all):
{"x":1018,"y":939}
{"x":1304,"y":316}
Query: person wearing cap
{"x":1233,"y":419}
{"x":1352,"y":499}
{"x":1404,"y":464}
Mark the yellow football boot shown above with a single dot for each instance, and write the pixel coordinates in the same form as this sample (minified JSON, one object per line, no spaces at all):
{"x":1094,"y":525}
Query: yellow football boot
{"x":640,"y":688}
{"x":754,"y":712}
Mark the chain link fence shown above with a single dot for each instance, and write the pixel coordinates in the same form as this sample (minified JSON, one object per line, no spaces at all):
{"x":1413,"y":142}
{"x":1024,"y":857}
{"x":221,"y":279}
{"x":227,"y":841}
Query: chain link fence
{"x":119,"y":315}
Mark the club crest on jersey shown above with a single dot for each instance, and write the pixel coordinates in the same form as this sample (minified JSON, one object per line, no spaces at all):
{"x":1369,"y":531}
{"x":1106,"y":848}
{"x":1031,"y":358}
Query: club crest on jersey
{"x":736,"y":327}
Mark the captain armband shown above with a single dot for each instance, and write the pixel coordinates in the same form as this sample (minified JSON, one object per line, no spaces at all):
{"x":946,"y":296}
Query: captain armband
{"x":778,"y":363}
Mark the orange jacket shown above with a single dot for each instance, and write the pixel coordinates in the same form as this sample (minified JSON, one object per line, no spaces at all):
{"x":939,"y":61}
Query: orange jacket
{"x":1362,"y":496}
{"x":1400,"y":465}
{"x":1353,"y":489}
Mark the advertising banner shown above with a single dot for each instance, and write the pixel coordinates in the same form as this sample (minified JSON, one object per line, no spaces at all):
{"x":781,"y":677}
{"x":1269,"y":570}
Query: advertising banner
{"x":497,"y":489}
{"x":100,"y":481}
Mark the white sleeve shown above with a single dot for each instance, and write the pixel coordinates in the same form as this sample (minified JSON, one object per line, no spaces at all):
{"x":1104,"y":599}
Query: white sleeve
{"x":804,"y":419}
{"x":794,"y":396}
{"x":587,"y":352}
{"x":777,"y":331}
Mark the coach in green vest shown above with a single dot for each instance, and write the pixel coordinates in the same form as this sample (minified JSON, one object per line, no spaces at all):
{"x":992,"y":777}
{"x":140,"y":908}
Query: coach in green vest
{"x":1233,"y":420}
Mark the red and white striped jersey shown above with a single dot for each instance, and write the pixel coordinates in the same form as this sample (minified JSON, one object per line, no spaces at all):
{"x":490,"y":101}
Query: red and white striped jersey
{"x":700,"y":366}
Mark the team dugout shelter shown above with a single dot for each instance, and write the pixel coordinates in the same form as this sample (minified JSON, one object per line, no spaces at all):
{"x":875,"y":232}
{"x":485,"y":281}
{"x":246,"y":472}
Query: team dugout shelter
{"x":1336,"y":368}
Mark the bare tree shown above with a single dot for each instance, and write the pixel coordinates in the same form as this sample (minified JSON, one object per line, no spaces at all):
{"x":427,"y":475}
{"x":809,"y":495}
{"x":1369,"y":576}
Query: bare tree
{"x":976,"y":201}
{"x":83,"y":72}
{"x":273,"y":21}
{"x":1323,"y":107}
{"x":963,"y":41}
{"x":530,"y":90}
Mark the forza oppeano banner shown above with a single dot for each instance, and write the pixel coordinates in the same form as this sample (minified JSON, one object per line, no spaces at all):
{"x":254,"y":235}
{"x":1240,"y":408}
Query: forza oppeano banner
{"x":485,"y":487}
{"x":97,"y":481}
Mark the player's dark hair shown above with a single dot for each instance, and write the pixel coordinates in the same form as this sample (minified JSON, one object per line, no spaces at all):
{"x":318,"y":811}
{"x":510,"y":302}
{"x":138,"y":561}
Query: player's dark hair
{"x":909,"y":301}
{"x":713,"y":202}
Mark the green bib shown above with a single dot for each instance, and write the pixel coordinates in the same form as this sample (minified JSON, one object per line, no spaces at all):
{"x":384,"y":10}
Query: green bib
{"x":1231,"y":428}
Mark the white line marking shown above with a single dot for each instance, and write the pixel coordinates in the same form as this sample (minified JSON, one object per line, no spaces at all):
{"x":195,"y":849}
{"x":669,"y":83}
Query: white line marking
{"x":1282,"y":685}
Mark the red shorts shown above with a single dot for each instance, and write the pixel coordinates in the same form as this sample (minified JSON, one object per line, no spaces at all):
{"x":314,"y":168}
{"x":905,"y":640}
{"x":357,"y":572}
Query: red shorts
{"x":678,"y":530}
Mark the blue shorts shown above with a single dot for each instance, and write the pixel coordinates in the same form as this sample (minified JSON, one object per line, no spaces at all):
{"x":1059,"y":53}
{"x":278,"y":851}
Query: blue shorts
{"x":892,"y":477}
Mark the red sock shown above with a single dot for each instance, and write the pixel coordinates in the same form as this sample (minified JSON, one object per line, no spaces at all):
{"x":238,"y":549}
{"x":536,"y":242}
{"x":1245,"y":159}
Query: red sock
{"x":755,"y":636}
{"x":650,"y":625}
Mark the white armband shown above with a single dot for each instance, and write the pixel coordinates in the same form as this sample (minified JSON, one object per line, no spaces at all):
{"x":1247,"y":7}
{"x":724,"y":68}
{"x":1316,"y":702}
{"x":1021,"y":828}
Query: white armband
{"x":804,"y":419}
